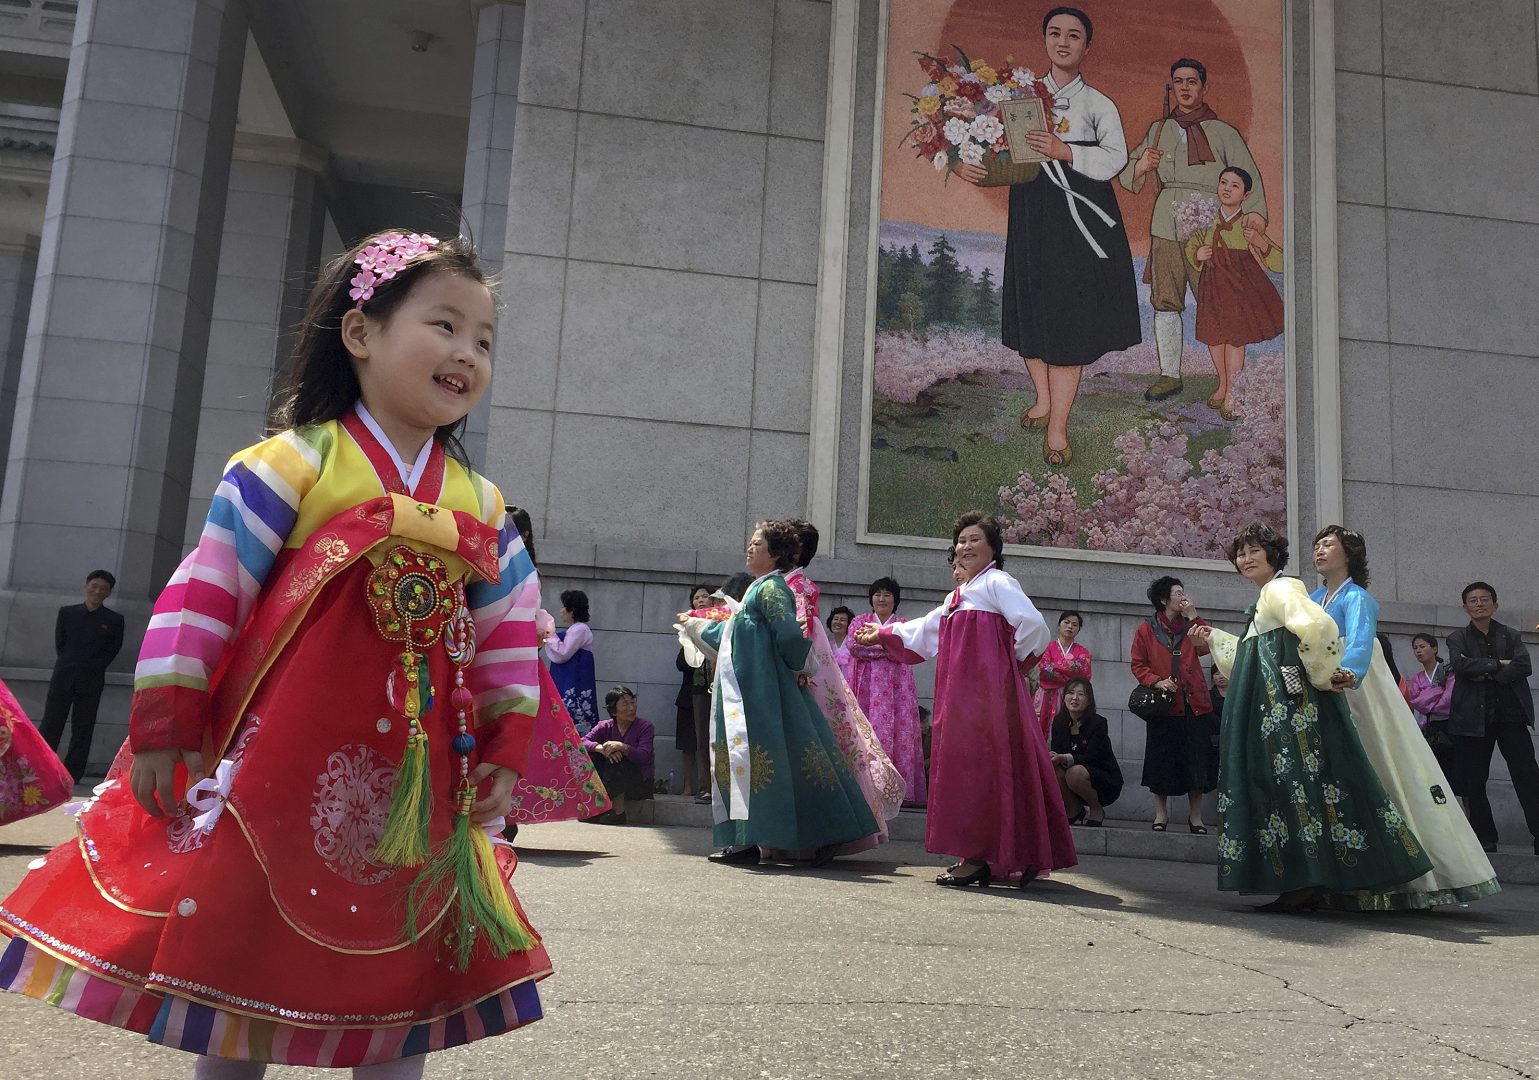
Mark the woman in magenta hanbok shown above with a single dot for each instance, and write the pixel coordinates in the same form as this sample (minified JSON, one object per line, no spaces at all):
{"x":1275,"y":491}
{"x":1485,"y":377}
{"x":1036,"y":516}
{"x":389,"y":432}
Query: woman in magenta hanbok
{"x":1065,"y":659}
{"x":885,"y":690}
{"x":993,"y":792}
{"x":32,"y":778}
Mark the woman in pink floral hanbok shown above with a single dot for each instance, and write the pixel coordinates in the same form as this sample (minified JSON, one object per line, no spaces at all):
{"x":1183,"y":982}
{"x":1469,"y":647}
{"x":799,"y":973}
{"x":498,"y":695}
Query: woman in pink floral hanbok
{"x":886,"y":692}
{"x":1063,"y":660}
{"x":32,"y":778}
{"x":880,"y":782}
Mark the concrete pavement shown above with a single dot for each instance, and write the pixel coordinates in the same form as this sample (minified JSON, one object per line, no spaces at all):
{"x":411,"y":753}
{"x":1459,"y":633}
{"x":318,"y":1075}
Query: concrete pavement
{"x":1122,"y":968}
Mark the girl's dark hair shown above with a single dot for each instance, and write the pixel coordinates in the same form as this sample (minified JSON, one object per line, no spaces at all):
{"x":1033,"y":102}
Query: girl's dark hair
{"x":321,"y":383}
{"x":1428,"y":638}
{"x":1077,"y":13}
{"x":1159,"y":591}
{"x":576,"y":601}
{"x":1389,"y":655}
{"x":807,"y":537}
{"x":1063,"y":699}
{"x":612,"y":699}
{"x":525,"y":526}
{"x":1062,"y":615}
{"x":891,"y":585}
{"x":783,"y":541}
{"x":1245,"y":177}
{"x":1355,"y":547}
{"x":989,"y":525}
{"x":840,"y":610}
{"x":736,"y":586}
{"x":1264,"y":537}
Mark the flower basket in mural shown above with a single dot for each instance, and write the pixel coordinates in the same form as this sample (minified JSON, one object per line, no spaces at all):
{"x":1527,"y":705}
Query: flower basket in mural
{"x":958,"y":117}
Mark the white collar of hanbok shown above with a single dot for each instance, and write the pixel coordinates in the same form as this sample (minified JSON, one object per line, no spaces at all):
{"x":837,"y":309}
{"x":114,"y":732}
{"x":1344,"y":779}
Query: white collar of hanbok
{"x":410,"y":474}
{"x":1073,"y":86}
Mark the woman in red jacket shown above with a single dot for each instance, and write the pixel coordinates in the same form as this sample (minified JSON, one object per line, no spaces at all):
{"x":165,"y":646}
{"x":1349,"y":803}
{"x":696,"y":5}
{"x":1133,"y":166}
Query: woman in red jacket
{"x":1180,"y":748}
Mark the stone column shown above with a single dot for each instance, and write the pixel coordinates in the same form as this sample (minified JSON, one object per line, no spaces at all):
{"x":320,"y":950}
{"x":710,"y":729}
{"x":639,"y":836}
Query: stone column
{"x":18,"y":269}
{"x":111,"y":379}
{"x":488,"y":161}
{"x":267,"y":263}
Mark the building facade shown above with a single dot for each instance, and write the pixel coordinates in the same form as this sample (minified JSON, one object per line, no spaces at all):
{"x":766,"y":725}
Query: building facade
{"x":678,"y":198}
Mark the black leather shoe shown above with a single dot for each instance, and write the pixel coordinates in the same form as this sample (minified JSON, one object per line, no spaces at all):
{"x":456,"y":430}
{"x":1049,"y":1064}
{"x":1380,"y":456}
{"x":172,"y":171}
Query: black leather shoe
{"x":747,"y":856}
{"x":979,"y":877}
{"x":824,"y":855}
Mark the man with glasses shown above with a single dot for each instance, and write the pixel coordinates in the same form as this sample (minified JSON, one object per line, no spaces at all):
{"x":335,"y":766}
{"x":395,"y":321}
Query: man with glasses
{"x":1492,"y":707}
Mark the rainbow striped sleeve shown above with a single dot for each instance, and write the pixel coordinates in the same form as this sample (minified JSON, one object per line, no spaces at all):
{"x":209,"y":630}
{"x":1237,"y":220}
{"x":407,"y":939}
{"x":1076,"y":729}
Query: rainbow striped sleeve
{"x":505,"y":676}
{"x":213,"y":591}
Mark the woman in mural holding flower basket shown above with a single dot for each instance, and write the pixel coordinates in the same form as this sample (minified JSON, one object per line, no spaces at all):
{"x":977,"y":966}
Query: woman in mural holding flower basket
{"x":1069,"y":291}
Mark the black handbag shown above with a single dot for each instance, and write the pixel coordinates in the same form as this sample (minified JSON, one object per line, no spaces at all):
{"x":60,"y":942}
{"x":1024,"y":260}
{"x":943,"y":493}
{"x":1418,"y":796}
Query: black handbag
{"x":1149,"y":702}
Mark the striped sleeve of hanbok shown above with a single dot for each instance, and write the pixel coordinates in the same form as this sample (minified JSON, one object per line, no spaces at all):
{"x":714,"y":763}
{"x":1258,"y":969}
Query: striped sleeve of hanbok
{"x":210,"y":597}
{"x":504,"y":678}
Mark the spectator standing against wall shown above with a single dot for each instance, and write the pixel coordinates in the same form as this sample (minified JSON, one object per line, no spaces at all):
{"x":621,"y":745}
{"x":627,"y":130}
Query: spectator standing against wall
{"x":86,"y":637}
{"x":1491,"y":709}
{"x":570,"y":655}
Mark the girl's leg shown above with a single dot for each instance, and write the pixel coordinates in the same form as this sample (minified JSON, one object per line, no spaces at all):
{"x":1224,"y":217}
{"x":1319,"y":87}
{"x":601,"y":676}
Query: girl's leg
{"x":1063,"y":381}
{"x":1194,"y":807}
{"x":409,"y":1068}
{"x":1037,"y":369}
{"x":1234,"y":363}
{"x":212,"y":1068}
{"x":1220,"y":358}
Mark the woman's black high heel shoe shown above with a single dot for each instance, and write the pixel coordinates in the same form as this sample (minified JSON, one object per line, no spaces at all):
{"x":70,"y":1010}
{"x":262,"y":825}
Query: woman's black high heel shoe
{"x":979,"y":877}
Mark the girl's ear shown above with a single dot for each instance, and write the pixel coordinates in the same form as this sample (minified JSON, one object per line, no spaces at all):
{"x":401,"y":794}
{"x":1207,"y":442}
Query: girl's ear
{"x":355,"y":333}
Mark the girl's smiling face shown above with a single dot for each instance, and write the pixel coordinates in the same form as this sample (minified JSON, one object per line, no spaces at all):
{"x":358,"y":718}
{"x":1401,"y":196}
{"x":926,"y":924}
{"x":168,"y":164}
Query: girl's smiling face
{"x":426,"y":364}
{"x":1231,"y":191}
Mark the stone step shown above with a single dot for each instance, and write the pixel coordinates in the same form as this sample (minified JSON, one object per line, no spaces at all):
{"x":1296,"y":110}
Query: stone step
{"x":1123,"y":839}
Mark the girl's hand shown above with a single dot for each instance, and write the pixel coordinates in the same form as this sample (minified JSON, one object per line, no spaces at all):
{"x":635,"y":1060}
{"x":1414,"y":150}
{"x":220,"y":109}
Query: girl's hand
{"x":1205,"y":253}
{"x":152,"y":776}
{"x":973,"y":174}
{"x":498,"y":801}
{"x":1258,"y":239}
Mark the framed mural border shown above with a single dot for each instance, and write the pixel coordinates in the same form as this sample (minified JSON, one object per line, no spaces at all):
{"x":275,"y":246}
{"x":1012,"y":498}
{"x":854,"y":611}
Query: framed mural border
{"x":1317,"y":168}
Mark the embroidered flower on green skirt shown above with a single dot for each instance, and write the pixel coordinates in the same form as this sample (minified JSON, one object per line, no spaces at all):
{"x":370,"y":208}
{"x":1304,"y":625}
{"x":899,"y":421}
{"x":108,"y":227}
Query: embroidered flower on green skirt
{"x":1224,"y":802}
{"x":1281,"y":762}
{"x":1312,"y":830}
{"x":1277,"y":825}
{"x":1312,"y":763}
{"x":1392,"y":817}
{"x":1230,"y":848}
{"x":1275,"y":718}
{"x":1305,"y":718}
{"x":1332,"y":795}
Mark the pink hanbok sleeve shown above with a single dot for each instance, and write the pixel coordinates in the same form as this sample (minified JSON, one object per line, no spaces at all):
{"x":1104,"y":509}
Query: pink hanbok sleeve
{"x":558,"y":650}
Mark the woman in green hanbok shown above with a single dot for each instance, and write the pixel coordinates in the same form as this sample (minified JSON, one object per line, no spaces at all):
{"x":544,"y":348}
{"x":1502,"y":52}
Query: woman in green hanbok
{"x":781,"y":780}
{"x":1301,"y":810}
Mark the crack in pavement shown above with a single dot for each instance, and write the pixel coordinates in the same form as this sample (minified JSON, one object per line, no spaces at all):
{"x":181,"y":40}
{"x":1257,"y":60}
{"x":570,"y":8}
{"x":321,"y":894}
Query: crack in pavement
{"x":1272,"y":1014}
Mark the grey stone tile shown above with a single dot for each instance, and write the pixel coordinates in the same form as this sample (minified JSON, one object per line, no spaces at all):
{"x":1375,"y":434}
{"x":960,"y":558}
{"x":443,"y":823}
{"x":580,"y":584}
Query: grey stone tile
{"x":1367,"y":507}
{"x":518,"y":455}
{"x":1441,"y":399}
{"x":109,"y":310}
{"x":237,"y":387}
{"x":717,"y":566}
{"x":565,"y":553}
{"x":1360,"y":138}
{"x":661,"y":602}
{"x":612,"y":605}
{"x":49,"y":556}
{"x":97,"y":491}
{"x":637,"y":557}
{"x":1494,"y":176}
{"x":260,"y":255}
{"x":793,"y":210}
{"x":1359,"y":35}
{"x":242,"y":343}
{"x":782,"y":372}
{"x":262,"y":177}
{"x":777,"y":476}
{"x":1460,"y":536}
{"x":1365,"y":423}
{"x":687,"y":350}
{"x":117,"y":250}
{"x":634,"y":480}
{"x":528,"y":332}
{"x":257,"y":212}
{"x":253,"y":300}
{"x":145,"y":24}
{"x":540,"y":182}
{"x":100,"y":432}
{"x":799,"y":76}
{"x":121,"y":132}
{"x":1452,"y":285}
{"x":691,"y":198}
{"x":552,"y":54}
{"x":94,"y":371}
{"x":1362,"y":265}
{"x":131,"y":76}
{"x":671,"y":62}
{"x":1490,"y":44}
{"x":118,"y":190}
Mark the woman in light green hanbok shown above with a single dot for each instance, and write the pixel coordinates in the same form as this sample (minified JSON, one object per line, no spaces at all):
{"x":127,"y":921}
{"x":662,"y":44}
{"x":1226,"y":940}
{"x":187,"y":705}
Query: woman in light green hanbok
{"x":1301,"y":810}
{"x":781,"y":780}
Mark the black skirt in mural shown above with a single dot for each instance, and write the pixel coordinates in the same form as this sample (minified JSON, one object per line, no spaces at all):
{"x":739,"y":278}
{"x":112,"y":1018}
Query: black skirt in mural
{"x":1063,"y":303}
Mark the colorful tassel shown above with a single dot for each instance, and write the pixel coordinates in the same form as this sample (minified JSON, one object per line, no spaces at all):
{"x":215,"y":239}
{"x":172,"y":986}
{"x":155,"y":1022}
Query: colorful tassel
{"x":404,"y":841}
{"x":466,"y":866}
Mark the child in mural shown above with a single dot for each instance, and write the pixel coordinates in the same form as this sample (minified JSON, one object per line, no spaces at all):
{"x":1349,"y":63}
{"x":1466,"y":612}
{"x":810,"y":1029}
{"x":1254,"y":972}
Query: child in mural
{"x":352,"y":648}
{"x":1069,"y":291}
{"x":1237,"y":304}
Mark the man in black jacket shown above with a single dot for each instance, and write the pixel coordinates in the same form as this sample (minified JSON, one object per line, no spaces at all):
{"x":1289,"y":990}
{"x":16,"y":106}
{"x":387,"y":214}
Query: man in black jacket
{"x":87,"y":637}
{"x":1492,"y":707}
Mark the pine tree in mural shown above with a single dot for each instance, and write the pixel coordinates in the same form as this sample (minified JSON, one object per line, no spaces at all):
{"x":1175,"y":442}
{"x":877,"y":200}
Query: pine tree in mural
{"x":947,"y":300}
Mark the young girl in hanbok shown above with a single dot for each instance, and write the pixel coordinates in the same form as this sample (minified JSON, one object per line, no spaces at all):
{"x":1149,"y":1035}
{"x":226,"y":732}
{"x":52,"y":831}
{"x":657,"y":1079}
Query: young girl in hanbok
{"x":336,"y":693}
{"x":32,"y":778}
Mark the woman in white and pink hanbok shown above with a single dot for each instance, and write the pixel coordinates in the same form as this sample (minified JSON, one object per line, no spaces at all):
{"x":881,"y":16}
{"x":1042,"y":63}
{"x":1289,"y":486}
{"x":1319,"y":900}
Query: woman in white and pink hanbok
{"x":886,"y":691}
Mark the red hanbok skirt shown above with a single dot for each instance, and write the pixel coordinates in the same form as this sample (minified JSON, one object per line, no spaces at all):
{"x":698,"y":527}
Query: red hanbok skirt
{"x":1237,"y":304}
{"x":32,"y":778}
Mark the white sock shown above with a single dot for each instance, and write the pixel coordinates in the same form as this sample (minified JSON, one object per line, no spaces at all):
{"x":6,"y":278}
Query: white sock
{"x":1167,"y":341}
{"x":212,"y":1068}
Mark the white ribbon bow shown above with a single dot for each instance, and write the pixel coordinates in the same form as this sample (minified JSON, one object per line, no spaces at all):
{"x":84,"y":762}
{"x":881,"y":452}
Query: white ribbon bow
{"x":208,"y":795}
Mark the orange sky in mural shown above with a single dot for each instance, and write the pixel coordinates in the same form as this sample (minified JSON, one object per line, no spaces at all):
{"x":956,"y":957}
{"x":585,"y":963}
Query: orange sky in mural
{"x":1239,"y":41}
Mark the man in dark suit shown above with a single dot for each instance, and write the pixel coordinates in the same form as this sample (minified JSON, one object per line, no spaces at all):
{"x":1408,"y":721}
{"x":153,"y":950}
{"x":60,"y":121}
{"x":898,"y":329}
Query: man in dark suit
{"x":87,"y":638}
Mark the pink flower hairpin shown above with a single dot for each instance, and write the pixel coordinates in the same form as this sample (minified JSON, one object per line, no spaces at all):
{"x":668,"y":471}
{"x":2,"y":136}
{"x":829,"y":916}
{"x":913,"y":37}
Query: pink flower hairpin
{"x":386,"y":257}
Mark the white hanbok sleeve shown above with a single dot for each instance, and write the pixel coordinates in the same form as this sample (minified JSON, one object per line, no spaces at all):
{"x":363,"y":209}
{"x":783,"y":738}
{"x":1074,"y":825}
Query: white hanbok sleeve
{"x":1032,"y":636}
{"x":918,"y":637}
{"x":1106,"y":158}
